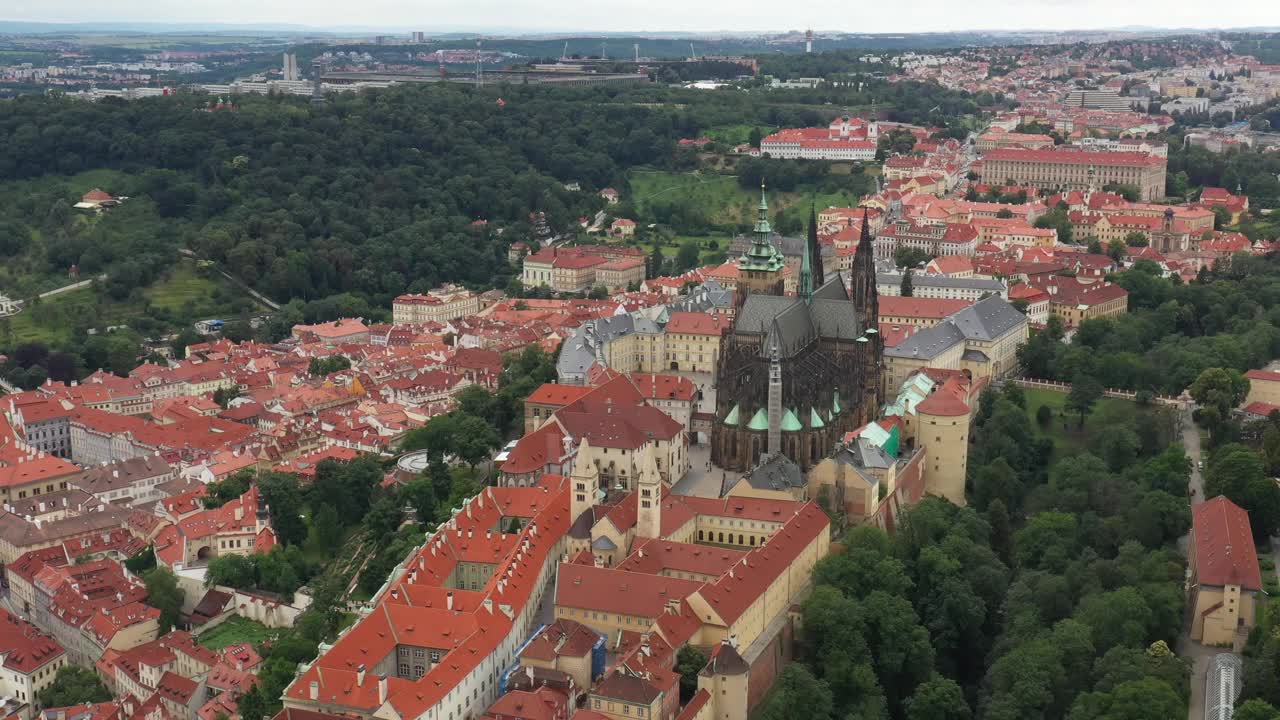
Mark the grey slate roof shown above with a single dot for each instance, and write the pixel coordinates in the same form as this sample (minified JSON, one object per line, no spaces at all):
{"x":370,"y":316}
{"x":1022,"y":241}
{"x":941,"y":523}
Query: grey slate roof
{"x":614,"y":326}
{"x":793,"y":324}
{"x":985,"y":320}
{"x":773,"y":472}
{"x":581,"y":350}
{"x":707,"y":296}
{"x":988,"y":318}
{"x":122,"y":473}
{"x":863,"y":456}
{"x":577,"y":354}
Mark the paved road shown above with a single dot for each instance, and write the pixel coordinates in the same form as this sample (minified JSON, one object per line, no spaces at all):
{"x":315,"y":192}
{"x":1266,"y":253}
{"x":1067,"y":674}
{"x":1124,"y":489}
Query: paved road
{"x":1191,"y":441}
{"x":702,"y":480}
{"x":1187,"y":648}
{"x":74,"y":286}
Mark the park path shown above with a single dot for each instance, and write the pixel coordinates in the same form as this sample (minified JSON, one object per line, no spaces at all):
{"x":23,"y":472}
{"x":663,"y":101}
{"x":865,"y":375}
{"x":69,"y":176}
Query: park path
{"x":1198,"y":654}
{"x":73,"y":286}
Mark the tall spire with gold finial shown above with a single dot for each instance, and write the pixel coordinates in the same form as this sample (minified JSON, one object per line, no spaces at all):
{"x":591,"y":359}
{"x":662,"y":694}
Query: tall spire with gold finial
{"x":762,"y":256}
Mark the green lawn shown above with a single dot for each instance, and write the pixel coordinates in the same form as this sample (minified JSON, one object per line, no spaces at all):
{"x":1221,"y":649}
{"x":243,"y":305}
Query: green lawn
{"x":181,"y":296}
{"x":720,"y":196}
{"x":724,"y":201}
{"x":235,"y":630}
{"x":182,"y":286}
{"x":1068,"y":439}
{"x":735,"y":134}
{"x":705,"y":250}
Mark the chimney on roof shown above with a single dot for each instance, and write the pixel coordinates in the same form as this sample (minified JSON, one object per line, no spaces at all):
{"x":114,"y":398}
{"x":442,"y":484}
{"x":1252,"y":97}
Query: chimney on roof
{"x":382,"y":688}
{"x":314,"y":690}
{"x":448,"y":600}
{"x":360,"y":674}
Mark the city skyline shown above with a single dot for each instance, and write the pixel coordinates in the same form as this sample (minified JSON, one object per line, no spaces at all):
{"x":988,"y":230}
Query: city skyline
{"x":917,"y":16}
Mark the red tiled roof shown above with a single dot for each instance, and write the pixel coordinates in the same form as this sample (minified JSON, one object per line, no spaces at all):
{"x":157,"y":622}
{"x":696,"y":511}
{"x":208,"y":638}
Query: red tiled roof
{"x":943,"y":403}
{"x":620,"y":592}
{"x":563,"y":637}
{"x":1224,"y":550}
{"x":951,"y":264}
{"x":557,"y":394}
{"x":34,"y":467}
{"x":734,"y":592}
{"x":1263,"y":375}
{"x":1074,"y":157}
{"x":23,"y":647}
{"x":696,"y":323}
{"x":664,"y":387}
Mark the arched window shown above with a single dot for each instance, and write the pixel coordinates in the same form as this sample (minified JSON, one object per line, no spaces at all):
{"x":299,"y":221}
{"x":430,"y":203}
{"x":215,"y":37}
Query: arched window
{"x":721,"y":537}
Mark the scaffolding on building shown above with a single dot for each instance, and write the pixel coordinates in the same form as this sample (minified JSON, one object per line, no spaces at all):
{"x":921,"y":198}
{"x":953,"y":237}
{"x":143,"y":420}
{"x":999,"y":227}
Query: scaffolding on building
{"x":1222,"y":686}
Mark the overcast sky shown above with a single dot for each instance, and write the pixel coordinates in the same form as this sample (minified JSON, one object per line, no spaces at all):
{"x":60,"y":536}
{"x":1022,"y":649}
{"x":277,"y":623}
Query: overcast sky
{"x":665,"y":15}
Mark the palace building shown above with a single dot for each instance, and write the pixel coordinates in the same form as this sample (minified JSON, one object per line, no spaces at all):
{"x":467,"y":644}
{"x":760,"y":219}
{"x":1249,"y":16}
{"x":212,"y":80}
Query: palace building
{"x":1072,"y":169}
{"x":796,"y":372}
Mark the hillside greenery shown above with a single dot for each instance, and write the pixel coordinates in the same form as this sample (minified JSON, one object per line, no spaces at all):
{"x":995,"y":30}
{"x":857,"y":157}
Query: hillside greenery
{"x":1055,"y":595}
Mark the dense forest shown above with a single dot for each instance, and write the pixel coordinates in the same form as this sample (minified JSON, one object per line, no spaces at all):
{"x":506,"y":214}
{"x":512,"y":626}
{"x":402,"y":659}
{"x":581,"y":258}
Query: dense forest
{"x":1056,"y":594}
{"x":373,"y":194}
{"x":1254,"y":173}
{"x":1173,"y":332}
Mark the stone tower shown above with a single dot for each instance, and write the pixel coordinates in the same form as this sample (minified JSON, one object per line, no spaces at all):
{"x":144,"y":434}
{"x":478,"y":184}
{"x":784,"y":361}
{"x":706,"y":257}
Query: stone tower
{"x":649,"y":497}
{"x":585,"y":481}
{"x":944,"y":431}
{"x":862,"y":291}
{"x":814,"y":250}
{"x":725,"y":678}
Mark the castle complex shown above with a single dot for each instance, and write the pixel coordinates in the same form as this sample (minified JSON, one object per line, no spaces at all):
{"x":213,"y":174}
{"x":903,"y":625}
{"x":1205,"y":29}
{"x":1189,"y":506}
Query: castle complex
{"x":796,"y":373}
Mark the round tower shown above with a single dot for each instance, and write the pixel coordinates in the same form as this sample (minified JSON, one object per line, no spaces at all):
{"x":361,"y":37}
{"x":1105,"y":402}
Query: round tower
{"x":943,"y":430}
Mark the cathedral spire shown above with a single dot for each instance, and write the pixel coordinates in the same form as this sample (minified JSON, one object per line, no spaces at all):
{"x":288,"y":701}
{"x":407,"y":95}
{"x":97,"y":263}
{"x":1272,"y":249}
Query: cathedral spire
{"x":805,"y":286}
{"x":863,"y":278}
{"x":761,"y":262}
{"x":762,"y":229}
{"x":814,"y":248}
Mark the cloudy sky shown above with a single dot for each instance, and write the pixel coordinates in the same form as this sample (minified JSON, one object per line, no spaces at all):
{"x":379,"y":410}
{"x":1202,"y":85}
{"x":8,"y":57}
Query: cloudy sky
{"x":666,"y":15}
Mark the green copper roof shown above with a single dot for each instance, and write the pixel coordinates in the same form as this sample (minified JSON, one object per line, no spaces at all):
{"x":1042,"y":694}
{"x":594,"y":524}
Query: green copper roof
{"x":835,"y":403}
{"x":732,"y":417}
{"x":815,"y":420}
{"x":760,"y":421}
{"x":762,"y":255}
{"x":791,"y":423}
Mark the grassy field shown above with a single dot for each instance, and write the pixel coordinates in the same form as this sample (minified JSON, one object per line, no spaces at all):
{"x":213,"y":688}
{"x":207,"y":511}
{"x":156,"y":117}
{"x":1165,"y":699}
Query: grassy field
{"x":182,"y":294}
{"x":735,"y":134}
{"x":1066,"y":438}
{"x":181,"y":287}
{"x":705,"y":250}
{"x":725,"y":202}
{"x":235,"y":630}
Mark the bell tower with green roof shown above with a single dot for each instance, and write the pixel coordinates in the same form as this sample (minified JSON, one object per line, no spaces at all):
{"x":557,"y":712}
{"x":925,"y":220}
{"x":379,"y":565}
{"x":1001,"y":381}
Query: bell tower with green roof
{"x":760,"y":267}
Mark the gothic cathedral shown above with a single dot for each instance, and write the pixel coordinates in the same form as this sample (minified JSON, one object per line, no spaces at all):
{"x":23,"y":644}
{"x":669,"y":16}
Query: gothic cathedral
{"x":796,"y":372}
